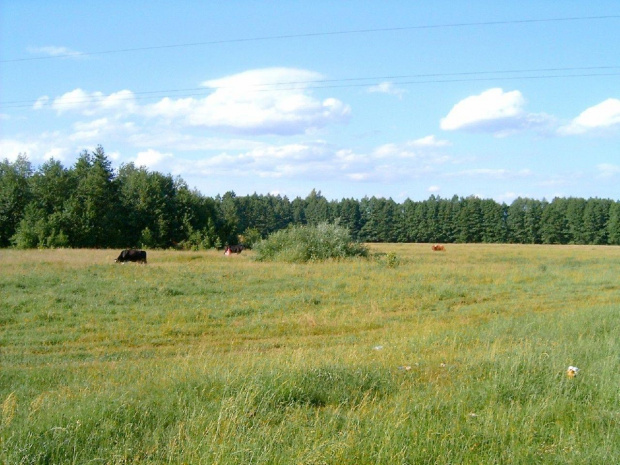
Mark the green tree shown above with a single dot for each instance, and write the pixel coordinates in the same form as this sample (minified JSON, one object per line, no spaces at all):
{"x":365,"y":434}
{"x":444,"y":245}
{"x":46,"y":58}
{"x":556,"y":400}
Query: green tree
{"x":613,"y":224}
{"x":523,"y":221}
{"x":554,"y":229}
{"x":575,"y":208}
{"x":14,"y":195}
{"x":493,"y":221}
{"x":44,"y":223}
{"x":152,"y":216}
{"x":92,"y":208}
{"x":470,"y":220}
{"x":316,"y":208}
{"x":595,"y":218}
{"x":229,"y":218}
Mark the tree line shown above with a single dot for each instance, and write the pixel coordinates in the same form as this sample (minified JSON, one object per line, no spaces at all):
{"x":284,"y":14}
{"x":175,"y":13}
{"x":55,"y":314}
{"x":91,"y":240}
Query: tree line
{"x":91,"y":205}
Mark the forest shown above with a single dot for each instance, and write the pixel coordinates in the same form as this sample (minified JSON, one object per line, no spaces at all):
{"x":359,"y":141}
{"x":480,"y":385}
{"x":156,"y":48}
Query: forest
{"x":92,"y":205}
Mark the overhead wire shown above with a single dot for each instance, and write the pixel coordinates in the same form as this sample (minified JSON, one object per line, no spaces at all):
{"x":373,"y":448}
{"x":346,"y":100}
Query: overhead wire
{"x":351,"y":82}
{"x":313,"y":34}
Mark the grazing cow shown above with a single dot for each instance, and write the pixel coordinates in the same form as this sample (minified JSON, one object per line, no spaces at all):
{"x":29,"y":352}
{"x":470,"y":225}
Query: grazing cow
{"x":438,"y":248}
{"x":230,"y":249}
{"x":132,"y":255}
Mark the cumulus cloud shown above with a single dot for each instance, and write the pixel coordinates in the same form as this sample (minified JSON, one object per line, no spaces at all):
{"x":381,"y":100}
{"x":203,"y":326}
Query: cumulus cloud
{"x":39,"y":149}
{"x":270,"y":161}
{"x":262,"y":101}
{"x":603,"y":116}
{"x":11,"y":148}
{"x":309,"y":160}
{"x":90,"y":103}
{"x":152,"y":158}
{"x":387,"y":88}
{"x":493,"y":111}
{"x":484,"y":110}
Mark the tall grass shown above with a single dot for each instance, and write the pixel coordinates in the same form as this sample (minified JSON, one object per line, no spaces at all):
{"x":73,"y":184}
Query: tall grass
{"x":455,"y":357}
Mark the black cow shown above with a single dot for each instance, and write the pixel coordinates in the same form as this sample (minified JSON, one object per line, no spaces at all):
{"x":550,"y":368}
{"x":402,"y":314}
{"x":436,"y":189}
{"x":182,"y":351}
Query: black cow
{"x":132,"y":255}
{"x":230,"y":249}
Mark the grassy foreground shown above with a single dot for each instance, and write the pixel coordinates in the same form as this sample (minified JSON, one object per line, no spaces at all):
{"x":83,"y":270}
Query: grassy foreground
{"x":419,"y":357}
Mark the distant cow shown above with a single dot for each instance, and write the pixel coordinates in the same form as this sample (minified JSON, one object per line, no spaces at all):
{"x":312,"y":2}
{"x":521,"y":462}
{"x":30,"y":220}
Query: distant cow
{"x":438,"y":248}
{"x":132,"y":255}
{"x":230,"y":249}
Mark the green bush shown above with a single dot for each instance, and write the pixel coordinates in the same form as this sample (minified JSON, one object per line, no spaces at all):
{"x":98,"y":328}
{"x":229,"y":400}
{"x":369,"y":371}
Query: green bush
{"x":309,"y":243}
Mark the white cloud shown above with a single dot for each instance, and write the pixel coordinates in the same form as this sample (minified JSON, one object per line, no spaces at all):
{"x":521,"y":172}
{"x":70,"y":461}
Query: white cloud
{"x":11,"y":148}
{"x":607,"y":170}
{"x":484,"y":110}
{"x":433,"y":189}
{"x":78,"y":100}
{"x":429,"y":141}
{"x":492,"y":173}
{"x":57,"y":153}
{"x":387,"y":88}
{"x":602,"y":116}
{"x":414,"y":150}
{"x":38,"y":149}
{"x":41,"y":102}
{"x":304,"y":161}
{"x":54,"y":51}
{"x":152,"y":158}
{"x":89,"y":130}
{"x":262,"y":101}
{"x":508,"y":197}
{"x":493,"y":111}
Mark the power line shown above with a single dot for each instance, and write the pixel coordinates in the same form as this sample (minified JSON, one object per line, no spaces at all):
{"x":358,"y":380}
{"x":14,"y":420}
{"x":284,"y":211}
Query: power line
{"x":317,"y":34}
{"x":411,"y":79}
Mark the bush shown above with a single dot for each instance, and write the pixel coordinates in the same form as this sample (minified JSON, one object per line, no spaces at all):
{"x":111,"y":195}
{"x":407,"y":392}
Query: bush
{"x":309,"y":243}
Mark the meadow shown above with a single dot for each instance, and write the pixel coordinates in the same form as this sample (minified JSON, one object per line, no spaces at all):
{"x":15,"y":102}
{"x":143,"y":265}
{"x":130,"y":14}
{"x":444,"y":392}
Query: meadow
{"x":407,"y":357}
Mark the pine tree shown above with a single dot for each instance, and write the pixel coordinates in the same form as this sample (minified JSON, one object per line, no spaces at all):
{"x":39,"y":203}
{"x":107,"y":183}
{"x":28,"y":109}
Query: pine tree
{"x":14,"y":195}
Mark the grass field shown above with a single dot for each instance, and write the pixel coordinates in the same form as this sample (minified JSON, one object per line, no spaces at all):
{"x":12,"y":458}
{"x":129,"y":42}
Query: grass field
{"x":415,"y":357}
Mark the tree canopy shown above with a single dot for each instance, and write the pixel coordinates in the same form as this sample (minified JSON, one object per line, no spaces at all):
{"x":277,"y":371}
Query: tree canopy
{"x":90,"y":204}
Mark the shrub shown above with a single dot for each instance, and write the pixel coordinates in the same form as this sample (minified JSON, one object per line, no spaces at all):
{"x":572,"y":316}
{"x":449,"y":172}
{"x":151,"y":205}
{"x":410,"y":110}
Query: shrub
{"x":309,"y":243}
{"x":392,"y":260}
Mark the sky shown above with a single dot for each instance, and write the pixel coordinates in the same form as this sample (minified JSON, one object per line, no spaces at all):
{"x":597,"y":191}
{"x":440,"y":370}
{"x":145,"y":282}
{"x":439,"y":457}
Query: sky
{"x":394,"y":99}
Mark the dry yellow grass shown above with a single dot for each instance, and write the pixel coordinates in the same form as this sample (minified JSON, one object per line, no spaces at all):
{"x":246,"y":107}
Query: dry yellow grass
{"x":201,"y":358}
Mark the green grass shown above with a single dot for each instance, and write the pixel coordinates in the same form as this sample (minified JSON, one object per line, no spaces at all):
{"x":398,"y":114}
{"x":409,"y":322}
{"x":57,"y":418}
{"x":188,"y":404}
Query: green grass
{"x":410,"y":356}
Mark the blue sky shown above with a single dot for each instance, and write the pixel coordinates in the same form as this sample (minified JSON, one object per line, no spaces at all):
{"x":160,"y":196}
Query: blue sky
{"x":395,"y":99}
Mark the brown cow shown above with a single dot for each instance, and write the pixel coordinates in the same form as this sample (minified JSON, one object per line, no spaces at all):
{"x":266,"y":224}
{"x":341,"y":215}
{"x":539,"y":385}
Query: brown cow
{"x":438,"y":248}
{"x":230,"y":249}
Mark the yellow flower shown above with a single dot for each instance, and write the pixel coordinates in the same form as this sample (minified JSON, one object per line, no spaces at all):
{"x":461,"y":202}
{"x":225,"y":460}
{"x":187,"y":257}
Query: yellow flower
{"x":572,"y":371}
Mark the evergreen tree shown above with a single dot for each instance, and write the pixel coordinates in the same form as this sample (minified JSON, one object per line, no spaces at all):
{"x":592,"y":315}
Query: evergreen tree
{"x":316,"y":209}
{"x":92,"y":208}
{"x":470,"y":220}
{"x":613,"y":224}
{"x":554,"y":229}
{"x":350,"y":217}
{"x":532,"y":220}
{"x":45,"y":222}
{"x":229,"y":218}
{"x":493,"y":221}
{"x":298,"y":211}
{"x":515,"y":222}
{"x":575,"y":208}
{"x":14,"y":195}
{"x":595,"y":218}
